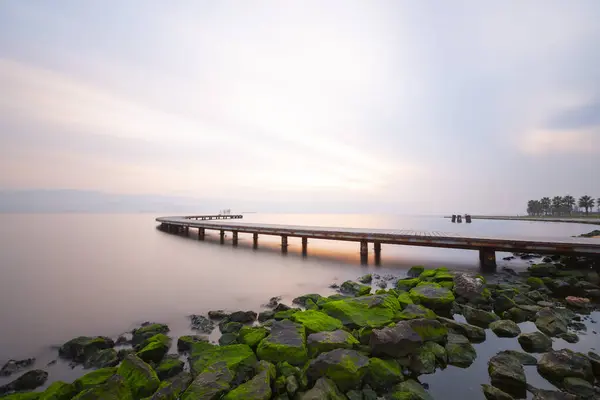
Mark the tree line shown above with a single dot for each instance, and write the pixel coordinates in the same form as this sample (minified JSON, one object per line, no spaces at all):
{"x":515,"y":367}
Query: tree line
{"x":561,"y":205}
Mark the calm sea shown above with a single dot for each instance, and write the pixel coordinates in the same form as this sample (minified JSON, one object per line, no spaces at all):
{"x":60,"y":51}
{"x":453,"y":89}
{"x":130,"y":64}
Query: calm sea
{"x":65,"y":275}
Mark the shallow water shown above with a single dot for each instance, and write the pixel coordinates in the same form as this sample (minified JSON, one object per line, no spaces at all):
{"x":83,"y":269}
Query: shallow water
{"x":64,"y":275}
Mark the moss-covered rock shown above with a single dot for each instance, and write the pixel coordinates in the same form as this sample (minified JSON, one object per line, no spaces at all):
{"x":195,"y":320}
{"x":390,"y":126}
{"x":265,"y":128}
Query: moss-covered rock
{"x":281,"y":315}
{"x":368,"y":278}
{"x":438,"y":351}
{"x":252,"y":335}
{"x":579,"y":387}
{"x":230,"y":327}
{"x":154,"y":348}
{"x":257,"y":388}
{"x":266,"y":315}
{"x":287,"y":342}
{"x":372,"y":311}
{"x":427,"y":357}
{"x":211,"y":384}
{"x":535,"y":283}
{"x":478,"y":317}
{"x":410,"y":390}
{"x":139,"y":377}
{"x":59,"y":390}
{"x":407,"y":284}
{"x":507,"y":374}
{"x":542,"y":270}
{"x":172,"y":388}
{"x":286,"y":369}
{"x":429,"y":330}
{"x":474,"y":333}
{"x":503,"y":303}
{"x":553,"y":321}
{"x":535,"y":342}
{"x":355,"y":289}
{"x":170,"y":366}
{"x":414,"y":311}
{"x":432,"y":296}
{"x":301,"y":300}
{"x":505,"y":328}
{"x":115,"y":388}
{"x":493,"y":393}
{"x":243,"y":317}
{"x":238,"y":358}
{"x":81,"y":348}
{"x":523,"y":358}
{"x":27,"y":381}
{"x":23,"y":396}
{"x":146,"y":331}
{"x":227,"y":339}
{"x":324,"y":389}
{"x":94,"y":378}
{"x":102,"y":359}
{"x":184,"y":343}
{"x":415,"y":271}
{"x":459,"y":351}
{"x":311,"y":305}
{"x":317,"y":321}
{"x":345,"y":367}
{"x":519,"y":314}
{"x":404,"y":299}
{"x":406,"y":337}
{"x":383,"y":374}
{"x":322,"y":342}
{"x":556,"y":365}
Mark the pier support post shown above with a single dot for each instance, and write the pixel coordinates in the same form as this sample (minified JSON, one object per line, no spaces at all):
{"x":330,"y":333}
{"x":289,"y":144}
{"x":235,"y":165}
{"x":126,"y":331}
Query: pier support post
{"x":222,"y":236}
{"x":201,"y":233}
{"x":304,"y":245}
{"x":377,"y":248}
{"x":255,"y":240}
{"x":453,"y":217}
{"x":186,"y":230}
{"x":235,"y":238}
{"x":487,"y":258}
{"x":284,"y":243}
{"x":364,"y":252}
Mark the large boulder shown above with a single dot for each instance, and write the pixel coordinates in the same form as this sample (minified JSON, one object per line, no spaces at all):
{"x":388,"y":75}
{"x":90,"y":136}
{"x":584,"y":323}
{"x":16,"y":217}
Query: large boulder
{"x":355,"y":289}
{"x":322,"y":342}
{"x":28,"y":381}
{"x":345,"y":367}
{"x":146,"y":331}
{"x":59,"y":390}
{"x":115,"y":388}
{"x":535,"y":342}
{"x":184,"y":343}
{"x":372,"y":311}
{"x":324,"y":389}
{"x":154,"y":348}
{"x":170,"y":366}
{"x":432,"y":296}
{"x":287,"y":342}
{"x":94,"y":378}
{"x":139,"y":377}
{"x":478,"y":317}
{"x":302,"y":300}
{"x":580,"y":387}
{"x":503,"y":303}
{"x":252,"y":335}
{"x":407,"y":284}
{"x":505,"y":328}
{"x":102,"y":359}
{"x":474,"y":333}
{"x":556,"y":365}
{"x":468,"y":287}
{"x":81,"y":348}
{"x":239,"y":358}
{"x":405,"y":337}
{"x":243,"y":317}
{"x":13,"y":366}
{"x":523,"y":358}
{"x":507,"y":374}
{"x":520,"y":314}
{"x":460,"y":351}
{"x":410,"y":390}
{"x":553,"y":321}
{"x":257,"y":388}
{"x":383,"y":374}
{"x":202,"y":324}
{"x":414,"y":311}
{"x":211,"y":384}
{"x":172,"y":388}
{"x":415,"y":271}
{"x":427,"y":358}
{"x":316,"y":321}
{"x":493,"y":393}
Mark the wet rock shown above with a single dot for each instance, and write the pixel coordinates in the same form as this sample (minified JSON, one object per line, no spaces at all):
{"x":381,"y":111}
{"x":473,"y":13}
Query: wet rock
{"x":228,"y":338}
{"x":474,"y":333}
{"x":82,"y":347}
{"x":372,"y":311}
{"x":239,"y":358}
{"x":414,"y":311}
{"x":28,"y":381}
{"x":553,"y":321}
{"x":323,"y":389}
{"x":468,"y":286}
{"x":285,"y":314}
{"x":154,"y":348}
{"x":542,"y":270}
{"x":323,"y":342}
{"x":595,"y":361}
{"x":523,"y":358}
{"x":114,"y":388}
{"x":287,"y":342}
{"x":121,"y":340}
{"x":345,"y":367}
{"x":94,"y":378}
{"x":266,"y":315}
{"x":505,"y":328}
{"x":368,"y":278}
{"x":407,"y":284}
{"x":415,"y":271}
{"x":103,"y":358}
{"x":492,"y":393}
{"x":202,"y":324}
{"x":502,"y":304}
{"x":459,"y":351}
{"x":556,"y":365}
{"x":535,"y":342}
{"x":211,"y":384}
{"x":243,"y":317}
{"x":405,"y":337}
{"x":519,"y":314}
{"x":12,"y":366}
{"x":172,"y":388}
{"x":273,"y":302}
{"x":542,"y":394}
{"x":59,"y":391}
{"x":383,"y":374}
{"x":579,"y":387}
{"x":410,"y":389}
{"x":507,"y":374}
{"x":257,"y":388}
{"x":301,"y":300}
{"x":169,"y":367}
{"x":317,"y":321}
{"x":146,"y":331}
{"x":281,"y":307}
{"x":252,"y":335}
{"x":478,"y":317}
{"x":427,"y":358}
{"x":404,"y":299}
{"x":432,"y":296}
{"x":578,"y":303}
{"x":139,"y":377}
{"x":230,"y":327}
{"x":569,"y":337}
{"x":217,"y":314}
{"x":355,"y":289}
{"x":184,"y":343}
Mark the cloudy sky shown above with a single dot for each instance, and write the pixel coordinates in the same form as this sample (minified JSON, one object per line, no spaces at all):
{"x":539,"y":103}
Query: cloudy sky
{"x":424,"y":106}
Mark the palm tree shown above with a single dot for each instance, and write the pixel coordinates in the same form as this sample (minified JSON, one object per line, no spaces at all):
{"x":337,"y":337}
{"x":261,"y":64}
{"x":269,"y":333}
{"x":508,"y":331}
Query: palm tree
{"x":556,"y":205}
{"x":546,"y":205}
{"x":598,"y":204}
{"x":568,"y":202}
{"x":586,"y":202}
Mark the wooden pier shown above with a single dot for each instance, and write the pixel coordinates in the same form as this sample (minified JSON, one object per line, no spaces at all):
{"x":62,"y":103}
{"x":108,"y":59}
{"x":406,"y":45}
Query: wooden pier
{"x":486,"y":245}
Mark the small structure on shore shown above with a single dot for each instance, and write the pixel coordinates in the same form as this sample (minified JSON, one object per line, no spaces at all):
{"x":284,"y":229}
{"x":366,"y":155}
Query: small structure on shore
{"x":458,"y":218}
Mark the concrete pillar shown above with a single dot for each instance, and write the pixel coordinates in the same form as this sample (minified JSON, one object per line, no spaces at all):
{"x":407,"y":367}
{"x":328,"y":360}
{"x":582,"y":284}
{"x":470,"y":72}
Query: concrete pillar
{"x":364,"y":252}
{"x":453,"y":217}
{"x":487,"y":258}
{"x":255,"y":240}
{"x":467,"y":218}
{"x":284,"y":243}
{"x":377,"y":249}
{"x":304,"y":245}
{"x":222,"y":236}
{"x":235,"y":238}
{"x":459,"y":219}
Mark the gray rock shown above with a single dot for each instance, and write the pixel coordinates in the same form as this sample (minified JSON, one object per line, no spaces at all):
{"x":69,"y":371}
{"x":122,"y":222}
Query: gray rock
{"x":535,"y":342}
{"x":13,"y":366}
{"x":415,"y":271}
{"x":595,"y":361}
{"x":228,"y":338}
{"x":579,"y":387}
{"x":542,"y":394}
{"x":507,"y":374}
{"x":243,"y":317}
{"x":459,"y":351}
{"x":553,"y":321}
{"x":230,"y":327}
{"x":202,"y":324}
{"x":345,"y":367}
{"x":523,"y":358}
{"x":505,"y":328}
{"x":217,"y":314}
{"x":28,"y":381}
{"x":468,"y":286}
{"x":322,"y":342}
{"x":266,"y":315}
{"x":184,"y":343}
{"x":368,"y":278}
{"x":492,"y":393}
{"x":474,"y":333}
{"x":556,"y":365}
{"x":324,"y":389}
{"x":210,"y":384}
{"x":478,"y":317}
{"x":101,"y":359}
{"x":397,"y":341}
{"x":174,"y":387}
{"x":82,"y":347}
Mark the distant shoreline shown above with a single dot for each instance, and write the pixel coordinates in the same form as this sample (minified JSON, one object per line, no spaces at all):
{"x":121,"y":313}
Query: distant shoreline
{"x":576,"y":220}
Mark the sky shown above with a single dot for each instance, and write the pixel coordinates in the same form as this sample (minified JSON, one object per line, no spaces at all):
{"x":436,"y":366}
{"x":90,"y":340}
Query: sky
{"x":414,"y":107}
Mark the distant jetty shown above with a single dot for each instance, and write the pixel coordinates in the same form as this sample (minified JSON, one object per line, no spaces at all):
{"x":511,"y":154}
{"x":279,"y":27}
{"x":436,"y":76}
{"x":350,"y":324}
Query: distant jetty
{"x":575,"y":220}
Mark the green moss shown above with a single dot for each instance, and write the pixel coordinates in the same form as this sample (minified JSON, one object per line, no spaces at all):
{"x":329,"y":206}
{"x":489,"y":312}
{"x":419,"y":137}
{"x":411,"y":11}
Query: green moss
{"x":432,"y":296}
{"x":414,"y":311}
{"x":406,"y":284}
{"x":252,"y":335}
{"x":59,"y":391}
{"x":211,"y":383}
{"x":311,"y":305}
{"x":286,"y":369}
{"x":287,"y":342}
{"x":535,"y":283}
{"x":410,"y":390}
{"x":22,"y":396}
{"x":438,"y":351}
{"x":145,"y":332}
{"x":184,"y":343}
{"x":443,"y":276}
{"x":429,"y":330}
{"x":368,"y":278}
{"x":372,"y":311}
{"x":94,"y":378}
{"x":404,"y":299}
{"x":428,"y":273}
{"x":139,"y":377}
{"x":447,"y":284}
{"x":169,"y":367}
{"x":344,"y":367}
{"x":154,"y":348}
{"x":415,"y":271}
{"x":316,"y":321}
{"x":287,"y":314}
{"x":234,"y":356}
{"x":323,"y":342}
{"x":114,"y":389}
{"x":382,"y":374}
{"x":257,"y":388}
{"x":460,"y":354}
{"x":301,"y":300}
{"x":355,"y":289}
{"x":381,"y":291}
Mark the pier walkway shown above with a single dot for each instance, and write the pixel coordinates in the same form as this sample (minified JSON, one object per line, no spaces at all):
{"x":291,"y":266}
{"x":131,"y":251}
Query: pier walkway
{"x":486,"y":245}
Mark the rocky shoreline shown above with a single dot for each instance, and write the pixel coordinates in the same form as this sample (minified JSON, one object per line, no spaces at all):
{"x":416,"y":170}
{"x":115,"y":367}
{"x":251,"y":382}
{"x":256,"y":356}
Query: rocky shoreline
{"x":366,"y":342}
